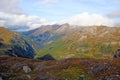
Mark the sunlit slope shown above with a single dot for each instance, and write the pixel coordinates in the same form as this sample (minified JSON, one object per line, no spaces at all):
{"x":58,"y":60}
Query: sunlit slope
{"x":15,"y":44}
{"x":92,"y":42}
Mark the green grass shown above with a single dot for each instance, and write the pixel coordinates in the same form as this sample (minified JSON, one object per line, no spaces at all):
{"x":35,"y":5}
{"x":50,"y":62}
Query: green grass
{"x":72,"y":73}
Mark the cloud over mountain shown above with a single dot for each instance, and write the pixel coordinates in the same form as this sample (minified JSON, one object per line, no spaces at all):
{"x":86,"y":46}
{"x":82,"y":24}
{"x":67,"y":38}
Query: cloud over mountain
{"x":86,"y":19}
{"x":13,"y":20}
{"x":27,"y":22}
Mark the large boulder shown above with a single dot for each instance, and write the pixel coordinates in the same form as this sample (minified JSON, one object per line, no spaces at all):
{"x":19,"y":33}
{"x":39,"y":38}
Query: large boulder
{"x":27,"y":69}
{"x":117,"y":53}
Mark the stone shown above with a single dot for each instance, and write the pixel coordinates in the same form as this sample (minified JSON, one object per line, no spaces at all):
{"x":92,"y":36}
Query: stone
{"x":43,"y":77}
{"x":28,"y":76}
{"x":95,"y":69}
{"x":110,"y":77}
{"x":1,"y":78}
{"x":117,"y":54}
{"x":82,"y":77}
{"x":26,"y":69}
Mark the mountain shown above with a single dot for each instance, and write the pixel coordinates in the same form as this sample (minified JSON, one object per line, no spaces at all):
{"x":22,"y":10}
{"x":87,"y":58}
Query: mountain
{"x":85,"y":42}
{"x":47,"y":34}
{"x":15,"y":44}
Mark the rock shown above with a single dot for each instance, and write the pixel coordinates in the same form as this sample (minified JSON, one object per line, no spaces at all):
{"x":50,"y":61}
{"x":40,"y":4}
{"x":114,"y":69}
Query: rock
{"x":26,"y":69}
{"x":6,"y":76}
{"x":1,"y":78}
{"x":111,"y":77}
{"x":40,"y":67}
{"x":117,"y":53}
{"x":42,"y":77}
{"x":81,"y":77}
{"x":96,"y":69}
{"x":20,"y":78}
{"x":18,"y":67}
{"x":28,"y":76}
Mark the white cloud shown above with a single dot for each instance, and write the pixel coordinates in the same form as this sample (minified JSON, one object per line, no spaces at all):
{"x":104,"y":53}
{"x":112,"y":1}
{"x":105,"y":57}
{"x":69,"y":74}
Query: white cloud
{"x":12,"y":20}
{"x":10,"y":6}
{"x":49,"y":1}
{"x":27,"y":22}
{"x":86,"y":19}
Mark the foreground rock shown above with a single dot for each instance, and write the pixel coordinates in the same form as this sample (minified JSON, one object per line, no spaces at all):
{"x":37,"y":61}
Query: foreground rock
{"x":26,"y":69}
{"x":117,"y":53}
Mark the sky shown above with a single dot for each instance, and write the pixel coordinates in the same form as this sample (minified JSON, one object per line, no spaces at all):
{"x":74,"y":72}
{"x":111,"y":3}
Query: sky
{"x":30,"y":14}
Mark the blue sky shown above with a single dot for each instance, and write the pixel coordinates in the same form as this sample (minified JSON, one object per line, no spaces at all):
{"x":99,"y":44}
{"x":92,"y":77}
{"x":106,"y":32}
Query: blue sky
{"x":33,"y":13}
{"x":62,"y":9}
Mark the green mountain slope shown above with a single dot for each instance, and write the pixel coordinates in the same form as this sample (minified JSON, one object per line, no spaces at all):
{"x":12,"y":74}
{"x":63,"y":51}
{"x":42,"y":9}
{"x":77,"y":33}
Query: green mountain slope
{"x":87,"y":42}
{"x":15,"y":44}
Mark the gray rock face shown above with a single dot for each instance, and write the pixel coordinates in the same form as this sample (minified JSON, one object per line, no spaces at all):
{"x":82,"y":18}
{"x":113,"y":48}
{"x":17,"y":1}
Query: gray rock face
{"x":26,"y":69}
{"x":117,"y":53}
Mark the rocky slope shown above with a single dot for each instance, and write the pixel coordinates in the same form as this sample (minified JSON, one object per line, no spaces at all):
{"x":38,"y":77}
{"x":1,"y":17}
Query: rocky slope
{"x":15,"y":68}
{"x":47,"y":34}
{"x":15,"y":44}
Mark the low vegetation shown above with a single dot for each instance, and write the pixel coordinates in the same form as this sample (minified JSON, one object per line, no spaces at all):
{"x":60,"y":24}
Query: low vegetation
{"x":16,"y":68}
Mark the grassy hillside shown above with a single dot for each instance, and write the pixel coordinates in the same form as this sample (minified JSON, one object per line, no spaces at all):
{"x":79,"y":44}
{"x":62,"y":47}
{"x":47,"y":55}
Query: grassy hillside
{"x":89,"y":42}
{"x":13,"y":43}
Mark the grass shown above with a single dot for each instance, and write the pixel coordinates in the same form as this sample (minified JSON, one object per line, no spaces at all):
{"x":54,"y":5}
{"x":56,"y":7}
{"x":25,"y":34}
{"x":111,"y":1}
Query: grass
{"x":62,"y":48}
{"x":72,"y":73}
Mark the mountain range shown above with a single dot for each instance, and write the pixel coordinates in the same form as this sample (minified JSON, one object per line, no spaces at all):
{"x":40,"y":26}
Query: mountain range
{"x":62,"y":41}
{"x":66,"y":41}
